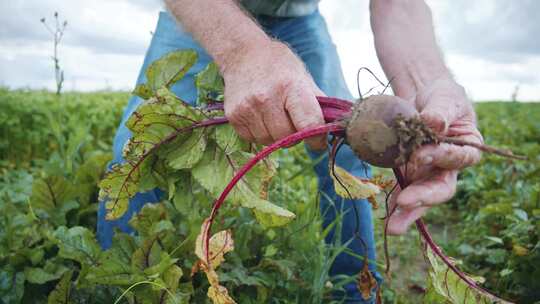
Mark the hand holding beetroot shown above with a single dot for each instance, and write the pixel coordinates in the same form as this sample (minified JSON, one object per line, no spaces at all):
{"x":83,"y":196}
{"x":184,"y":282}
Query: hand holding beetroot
{"x":433,"y":168}
{"x":428,"y":146}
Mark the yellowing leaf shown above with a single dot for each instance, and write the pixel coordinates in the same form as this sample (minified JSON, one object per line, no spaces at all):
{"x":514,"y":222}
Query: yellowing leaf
{"x":445,"y":285}
{"x":216,"y":169}
{"x":366,"y":282}
{"x":219,"y":295}
{"x":219,"y":244}
{"x":520,"y":250}
{"x":170,"y":68}
{"x":270,"y":215}
{"x":119,"y":185}
{"x":373,"y":201}
{"x":143,"y":91}
{"x":351,"y":187}
{"x":383,"y":182}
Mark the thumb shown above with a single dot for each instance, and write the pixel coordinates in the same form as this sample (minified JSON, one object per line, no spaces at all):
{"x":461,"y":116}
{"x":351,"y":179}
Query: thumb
{"x":443,"y":102}
{"x":305,"y":112}
{"x":436,"y":117}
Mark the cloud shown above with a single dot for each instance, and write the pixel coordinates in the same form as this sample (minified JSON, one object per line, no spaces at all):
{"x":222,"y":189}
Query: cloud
{"x":15,"y":69}
{"x":148,"y":4}
{"x":348,"y":15}
{"x":490,"y":45}
{"x":103,"y":46}
{"x":108,"y":27}
{"x":498,"y":30}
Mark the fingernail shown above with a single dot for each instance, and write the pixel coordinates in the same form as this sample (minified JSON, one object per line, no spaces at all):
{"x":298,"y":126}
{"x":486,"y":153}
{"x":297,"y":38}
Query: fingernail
{"x":427,"y":160}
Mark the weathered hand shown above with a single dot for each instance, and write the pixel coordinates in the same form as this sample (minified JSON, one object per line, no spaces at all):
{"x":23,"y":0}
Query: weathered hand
{"x":269,"y":95}
{"x":433,"y":169}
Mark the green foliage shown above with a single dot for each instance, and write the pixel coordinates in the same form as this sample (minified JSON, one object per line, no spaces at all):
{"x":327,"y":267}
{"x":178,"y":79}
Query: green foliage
{"x":209,"y":84}
{"x":61,"y":293}
{"x":164,"y":148}
{"x":49,"y":253}
{"x":446,"y":286}
{"x":33,"y":204}
{"x":36,"y":124}
{"x":484,"y":221}
{"x":35,"y":247}
{"x":54,"y":152}
{"x":499,"y":204}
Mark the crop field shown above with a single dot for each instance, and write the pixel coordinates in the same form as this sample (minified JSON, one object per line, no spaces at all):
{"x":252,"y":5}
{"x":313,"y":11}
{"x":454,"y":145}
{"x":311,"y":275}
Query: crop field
{"x":54,"y":151}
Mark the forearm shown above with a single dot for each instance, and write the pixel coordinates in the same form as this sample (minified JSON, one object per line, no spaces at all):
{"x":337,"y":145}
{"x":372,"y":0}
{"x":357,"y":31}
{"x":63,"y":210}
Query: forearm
{"x":406,"y":46}
{"x":221,"y":27}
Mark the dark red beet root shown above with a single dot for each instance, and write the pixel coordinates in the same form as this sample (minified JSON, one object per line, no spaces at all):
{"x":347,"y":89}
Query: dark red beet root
{"x":385,"y":130}
{"x":372,"y":129}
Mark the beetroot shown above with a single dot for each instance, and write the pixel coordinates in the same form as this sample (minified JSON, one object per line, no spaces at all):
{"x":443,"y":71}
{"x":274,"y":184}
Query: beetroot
{"x":372,"y":130}
{"x":385,"y":130}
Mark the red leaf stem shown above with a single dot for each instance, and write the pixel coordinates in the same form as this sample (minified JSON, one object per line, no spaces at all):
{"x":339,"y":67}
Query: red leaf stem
{"x":282,"y":143}
{"x":422,"y":229}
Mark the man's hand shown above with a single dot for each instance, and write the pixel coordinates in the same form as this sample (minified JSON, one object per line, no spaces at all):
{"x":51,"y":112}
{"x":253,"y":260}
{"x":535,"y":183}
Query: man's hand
{"x":408,"y":52}
{"x":268,"y":92}
{"x":432,"y":170}
{"x":269,"y":95}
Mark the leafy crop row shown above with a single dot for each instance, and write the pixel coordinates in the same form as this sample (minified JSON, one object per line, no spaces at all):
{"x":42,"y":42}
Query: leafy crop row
{"x":48,"y":248}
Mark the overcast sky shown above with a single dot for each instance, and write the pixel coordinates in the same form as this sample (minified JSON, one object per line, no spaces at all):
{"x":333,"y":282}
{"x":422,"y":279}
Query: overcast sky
{"x":491,"y":46}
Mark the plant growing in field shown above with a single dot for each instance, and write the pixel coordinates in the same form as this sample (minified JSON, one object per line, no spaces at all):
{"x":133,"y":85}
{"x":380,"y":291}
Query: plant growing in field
{"x":176,"y":147}
{"x":57,"y":33}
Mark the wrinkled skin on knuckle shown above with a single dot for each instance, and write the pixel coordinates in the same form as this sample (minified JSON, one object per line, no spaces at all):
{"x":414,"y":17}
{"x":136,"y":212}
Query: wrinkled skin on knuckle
{"x":260,"y":100}
{"x":238,"y":113}
{"x":285,"y":84}
{"x":244,"y":111}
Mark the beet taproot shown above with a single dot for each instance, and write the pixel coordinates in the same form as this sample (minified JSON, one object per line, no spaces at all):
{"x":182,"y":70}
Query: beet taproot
{"x":373,"y":130}
{"x":385,"y":130}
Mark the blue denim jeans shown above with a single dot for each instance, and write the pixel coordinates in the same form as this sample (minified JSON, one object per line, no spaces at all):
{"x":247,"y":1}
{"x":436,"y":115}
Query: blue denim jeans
{"x":308,"y":37}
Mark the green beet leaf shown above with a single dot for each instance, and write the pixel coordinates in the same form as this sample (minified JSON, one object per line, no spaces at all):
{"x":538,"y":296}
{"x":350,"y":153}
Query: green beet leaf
{"x":209,"y":84}
{"x":185,"y":153}
{"x":52,"y":198}
{"x":171,"y":277}
{"x":170,"y":68}
{"x":88,"y":176}
{"x":446,"y":285}
{"x":227,"y":139}
{"x":152,"y":220}
{"x":181,"y":192}
{"x":114,"y":265}
{"x":77,"y":243}
{"x":11,"y":285}
{"x":165,"y":261}
{"x":114,"y":270}
{"x":143,"y":90}
{"x":216,"y":169}
{"x":157,"y":121}
{"x":268,"y":214}
{"x":159,"y":126}
{"x":52,"y":270}
{"x":119,"y":185}
{"x":62,"y":291}
{"x":148,"y":255}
